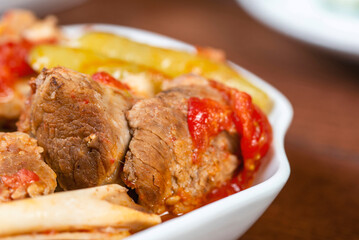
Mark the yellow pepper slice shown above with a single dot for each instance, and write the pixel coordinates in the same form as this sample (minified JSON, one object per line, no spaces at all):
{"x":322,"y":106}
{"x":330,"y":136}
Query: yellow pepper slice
{"x":171,"y":62}
{"x":143,"y":80}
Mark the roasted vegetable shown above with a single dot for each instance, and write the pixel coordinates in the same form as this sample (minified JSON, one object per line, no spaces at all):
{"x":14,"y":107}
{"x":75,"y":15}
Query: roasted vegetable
{"x":170,"y":62}
{"x":143,"y":80}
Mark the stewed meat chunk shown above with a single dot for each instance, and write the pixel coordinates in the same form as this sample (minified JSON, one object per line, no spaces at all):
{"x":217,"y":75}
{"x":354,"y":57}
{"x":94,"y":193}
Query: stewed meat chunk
{"x":81,"y":125}
{"x":160,"y":164}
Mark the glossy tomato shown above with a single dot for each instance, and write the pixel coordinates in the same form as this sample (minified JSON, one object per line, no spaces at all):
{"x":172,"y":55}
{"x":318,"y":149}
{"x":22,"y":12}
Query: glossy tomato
{"x":206,"y":118}
{"x":13,"y":64}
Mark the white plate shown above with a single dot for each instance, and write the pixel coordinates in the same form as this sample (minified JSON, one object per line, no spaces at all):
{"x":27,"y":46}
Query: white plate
{"x":311,"y":21}
{"x":38,"y":6}
{"x":230,"y":217}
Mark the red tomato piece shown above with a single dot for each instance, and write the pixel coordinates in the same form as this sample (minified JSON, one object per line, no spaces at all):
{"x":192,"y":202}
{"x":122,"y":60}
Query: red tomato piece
{"x":251,"y":123}
{"x":21,"y":178}
{"x":14,"y":56}
{"x":206,"y":118}
{"x":105,"y":78}
{"x":13,"y":64}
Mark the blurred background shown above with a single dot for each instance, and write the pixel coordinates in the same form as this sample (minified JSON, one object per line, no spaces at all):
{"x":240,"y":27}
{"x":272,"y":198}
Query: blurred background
{"x":309,"y":50}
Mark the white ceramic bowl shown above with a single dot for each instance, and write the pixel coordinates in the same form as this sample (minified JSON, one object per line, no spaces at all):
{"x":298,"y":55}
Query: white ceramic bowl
{"x":310,"y":21}
{"x":39,"y":6}
{"x":230,"y":217}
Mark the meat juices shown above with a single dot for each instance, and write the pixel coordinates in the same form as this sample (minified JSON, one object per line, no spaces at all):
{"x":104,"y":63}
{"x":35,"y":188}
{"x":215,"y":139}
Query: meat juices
{"x":81,"y":125}
{"x":159,"y":161}
{"x":23,"y":173}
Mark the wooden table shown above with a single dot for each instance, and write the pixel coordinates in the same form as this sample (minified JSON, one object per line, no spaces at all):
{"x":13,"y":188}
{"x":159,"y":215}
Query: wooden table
{"x":321,"y":198}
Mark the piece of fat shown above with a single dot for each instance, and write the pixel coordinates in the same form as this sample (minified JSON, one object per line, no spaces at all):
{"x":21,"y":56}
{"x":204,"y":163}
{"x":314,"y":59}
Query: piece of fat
{"x":86,"y":209}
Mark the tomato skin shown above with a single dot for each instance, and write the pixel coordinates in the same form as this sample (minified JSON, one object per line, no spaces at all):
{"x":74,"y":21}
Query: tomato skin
{"x":250,"y":122}
{"x":256,"y":136}
{"x":14,"y":56}
{"x":105,"y":78}
{"x":22,"y":178}
{"x":206,"y":118}
{"x":254,"y":126}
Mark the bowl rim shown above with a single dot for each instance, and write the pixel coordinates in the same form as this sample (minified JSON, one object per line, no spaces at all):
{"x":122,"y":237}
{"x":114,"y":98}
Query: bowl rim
{"x":270,"y":187}
{"x":327,"y":38}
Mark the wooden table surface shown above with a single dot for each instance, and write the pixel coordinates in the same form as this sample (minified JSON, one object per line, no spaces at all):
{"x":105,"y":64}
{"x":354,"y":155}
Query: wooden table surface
{"x":321,"y":198}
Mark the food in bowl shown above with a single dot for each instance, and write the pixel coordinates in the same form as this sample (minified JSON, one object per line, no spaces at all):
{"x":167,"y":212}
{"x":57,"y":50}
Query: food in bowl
{"x":20,"y":30}
{"x":110,"y":114}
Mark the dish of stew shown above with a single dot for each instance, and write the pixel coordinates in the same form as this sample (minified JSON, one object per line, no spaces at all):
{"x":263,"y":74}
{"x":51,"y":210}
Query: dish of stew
{"x":121,"y":134}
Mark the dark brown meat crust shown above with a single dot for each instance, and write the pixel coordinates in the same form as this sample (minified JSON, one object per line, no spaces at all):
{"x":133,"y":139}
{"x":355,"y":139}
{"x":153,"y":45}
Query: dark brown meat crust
{"x":159,"y":163}
{"x":81,"y":126}
{"x":18,"y":151}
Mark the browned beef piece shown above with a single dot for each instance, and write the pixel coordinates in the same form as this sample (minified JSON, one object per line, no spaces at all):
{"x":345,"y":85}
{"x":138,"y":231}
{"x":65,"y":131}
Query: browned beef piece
{"x":81,"y":125}
{"x":23,"y":172}
{"x":159,"y":161}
